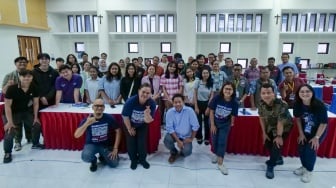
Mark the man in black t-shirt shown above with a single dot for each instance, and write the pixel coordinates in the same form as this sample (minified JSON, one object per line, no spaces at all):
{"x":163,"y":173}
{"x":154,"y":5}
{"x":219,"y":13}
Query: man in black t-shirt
{"x":21,"y":106}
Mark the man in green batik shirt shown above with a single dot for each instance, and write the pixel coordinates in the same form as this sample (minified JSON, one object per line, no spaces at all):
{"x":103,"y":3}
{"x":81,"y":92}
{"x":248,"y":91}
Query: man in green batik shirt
{"x":276,"y":122}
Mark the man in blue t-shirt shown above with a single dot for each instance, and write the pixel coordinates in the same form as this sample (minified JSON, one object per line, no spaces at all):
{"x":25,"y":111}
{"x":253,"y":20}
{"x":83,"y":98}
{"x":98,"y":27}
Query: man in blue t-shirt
{"x":97,"y":128}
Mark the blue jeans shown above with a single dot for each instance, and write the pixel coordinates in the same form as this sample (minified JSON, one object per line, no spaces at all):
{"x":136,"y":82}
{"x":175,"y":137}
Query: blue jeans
{"x":89,"y":154}
{"x":169,"y":142}
{"x":308,"y":154}
{"x":219,"y":140}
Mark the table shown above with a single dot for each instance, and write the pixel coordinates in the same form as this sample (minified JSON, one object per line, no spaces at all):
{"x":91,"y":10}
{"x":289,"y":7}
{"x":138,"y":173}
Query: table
{"x":332,"y":107}
{"x":246,"y":137}
{"x":2,"y":132}
{"x":319,"y":91}
{"x":59,"y":125}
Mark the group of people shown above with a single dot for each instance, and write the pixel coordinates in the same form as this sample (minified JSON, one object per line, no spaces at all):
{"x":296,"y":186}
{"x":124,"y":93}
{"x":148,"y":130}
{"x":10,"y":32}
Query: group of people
{"x":194,"y":95}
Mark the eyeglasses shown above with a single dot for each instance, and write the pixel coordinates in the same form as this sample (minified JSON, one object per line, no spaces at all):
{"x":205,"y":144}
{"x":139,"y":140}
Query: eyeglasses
{"x":99,"y":106}
{"x":237,"y":69}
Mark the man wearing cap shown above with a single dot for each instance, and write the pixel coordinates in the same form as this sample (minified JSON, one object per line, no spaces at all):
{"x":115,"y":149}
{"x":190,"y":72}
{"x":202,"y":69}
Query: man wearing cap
{"x":11,"y":79}
{"x":45,"y":77}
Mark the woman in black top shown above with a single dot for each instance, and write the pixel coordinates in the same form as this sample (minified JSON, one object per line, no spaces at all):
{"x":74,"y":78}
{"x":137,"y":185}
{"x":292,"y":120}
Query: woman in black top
{"x":129,"y":84}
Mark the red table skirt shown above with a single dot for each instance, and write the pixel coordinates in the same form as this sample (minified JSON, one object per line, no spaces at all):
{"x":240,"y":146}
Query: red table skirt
{"x":246,"y":138}
{"x":59,"y":128}
{"x":2,"y":132}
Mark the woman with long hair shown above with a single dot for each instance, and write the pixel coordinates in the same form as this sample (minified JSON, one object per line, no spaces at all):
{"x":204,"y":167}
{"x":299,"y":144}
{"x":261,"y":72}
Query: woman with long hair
{"x":109,"y":85}
{"x":203,"y":93}
{"x":189,"y":87}
{"x":312,"y":119}
{"x":171,"y":83}
{"x":130,"y":83}
{"x":71,"y":59}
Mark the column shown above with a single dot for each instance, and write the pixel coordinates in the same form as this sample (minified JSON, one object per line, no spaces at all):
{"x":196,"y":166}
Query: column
{"x":186,"y":32}
{"x":103,"y":33}
{"x":273,"y":40}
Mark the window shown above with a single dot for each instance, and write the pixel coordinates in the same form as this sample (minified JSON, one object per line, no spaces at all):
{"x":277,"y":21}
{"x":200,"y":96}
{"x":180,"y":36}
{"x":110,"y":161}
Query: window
{"x":258,"y":23}
{"x":248,"y":26}
{"x":303,"y":23}
{"x":323,"y":48}
{"x":312,"y":22}
{"x":170,"y":25}
{"x":79,"y":47}
{"x":71,"y":23}
{"x":225,"y":47}
{"x":118,"y":23}
{"x":287,"y":47}
{"x":294,"y":20}
{"x":212,"y":23}
{"x":135,"y":23}
{"x":221,"y":23}
{"x":152,"y":23}
{"x":240,"y":18}
{"x":127,"y":26}
{"x":322,"y":22}
{"x":284,"y":22}
{"x":144,"y":23}
{"x":331,"y":24}
{"x":161,"y":23}
{"x":79,"y":23}
{"x":165,"y":47}
{"x":95,"y":23}
{"x":242,"y":62}
{"x":203,"y":23}
{"x":305,"y":63}
{"x":231,"y":23}
{"x":133,"y":47}
{"x":87,"y":23}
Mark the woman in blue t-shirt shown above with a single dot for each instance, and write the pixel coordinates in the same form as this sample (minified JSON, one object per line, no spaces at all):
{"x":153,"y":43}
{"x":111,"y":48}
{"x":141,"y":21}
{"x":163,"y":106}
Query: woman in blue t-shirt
{"x":223,"y":109}
{"x":137,"y":113}
{"x":312,"y":119}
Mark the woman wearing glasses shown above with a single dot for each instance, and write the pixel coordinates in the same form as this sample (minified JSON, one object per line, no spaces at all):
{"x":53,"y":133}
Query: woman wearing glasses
{"x":312,"y":119}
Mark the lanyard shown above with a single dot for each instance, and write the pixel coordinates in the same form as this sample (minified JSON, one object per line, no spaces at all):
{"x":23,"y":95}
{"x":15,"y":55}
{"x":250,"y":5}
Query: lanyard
{"x":291,"y":86}
{"x":236,"y":82}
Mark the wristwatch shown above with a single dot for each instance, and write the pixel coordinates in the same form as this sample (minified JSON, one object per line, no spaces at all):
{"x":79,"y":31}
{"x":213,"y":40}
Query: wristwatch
{"x":317,"y":137}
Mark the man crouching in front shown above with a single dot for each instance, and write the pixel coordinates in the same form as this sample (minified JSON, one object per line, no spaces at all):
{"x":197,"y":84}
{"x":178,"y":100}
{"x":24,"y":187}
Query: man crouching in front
{"x":97,"y":126}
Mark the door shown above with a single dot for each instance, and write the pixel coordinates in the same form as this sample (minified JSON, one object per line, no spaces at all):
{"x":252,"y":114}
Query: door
{"x":29,"y":47}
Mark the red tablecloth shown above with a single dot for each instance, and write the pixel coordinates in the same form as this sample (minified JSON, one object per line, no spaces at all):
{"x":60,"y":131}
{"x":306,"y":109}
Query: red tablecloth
{"x":2,"y":132}
{"x":59,"y":127}
{"x":246,"y":138}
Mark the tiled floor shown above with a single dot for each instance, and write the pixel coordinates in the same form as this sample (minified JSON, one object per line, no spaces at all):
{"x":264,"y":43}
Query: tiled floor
{"x":64,"y":169}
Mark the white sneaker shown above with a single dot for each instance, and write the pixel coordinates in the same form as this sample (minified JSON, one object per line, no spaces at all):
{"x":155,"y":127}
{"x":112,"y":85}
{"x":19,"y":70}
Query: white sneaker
{"x":223,"y":169}
{"x":306,"y":177}
{"x":300,"y":171}
{"x":17,"y":147}
{"x":214,"y":159}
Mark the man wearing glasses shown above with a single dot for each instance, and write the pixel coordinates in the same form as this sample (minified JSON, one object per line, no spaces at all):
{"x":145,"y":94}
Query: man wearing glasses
{"x":97,"y":127}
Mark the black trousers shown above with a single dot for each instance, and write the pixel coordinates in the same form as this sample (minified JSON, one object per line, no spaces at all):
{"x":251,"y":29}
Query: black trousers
{"x":275,"y":152}
{"x":137,"y":144}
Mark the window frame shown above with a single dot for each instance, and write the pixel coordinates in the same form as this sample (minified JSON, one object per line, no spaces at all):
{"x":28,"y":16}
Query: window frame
{"x":291,"y":47}
{"x":223,"y":50}
{"x":326,"y":48}
{"x":130,"y":47}
{"x":245,"y":65}
{"x":162,"y":47}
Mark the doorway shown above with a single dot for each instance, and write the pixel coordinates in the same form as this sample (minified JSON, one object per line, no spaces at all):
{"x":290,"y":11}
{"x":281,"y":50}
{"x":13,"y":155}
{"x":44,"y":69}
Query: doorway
{"x":29,"y":47}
